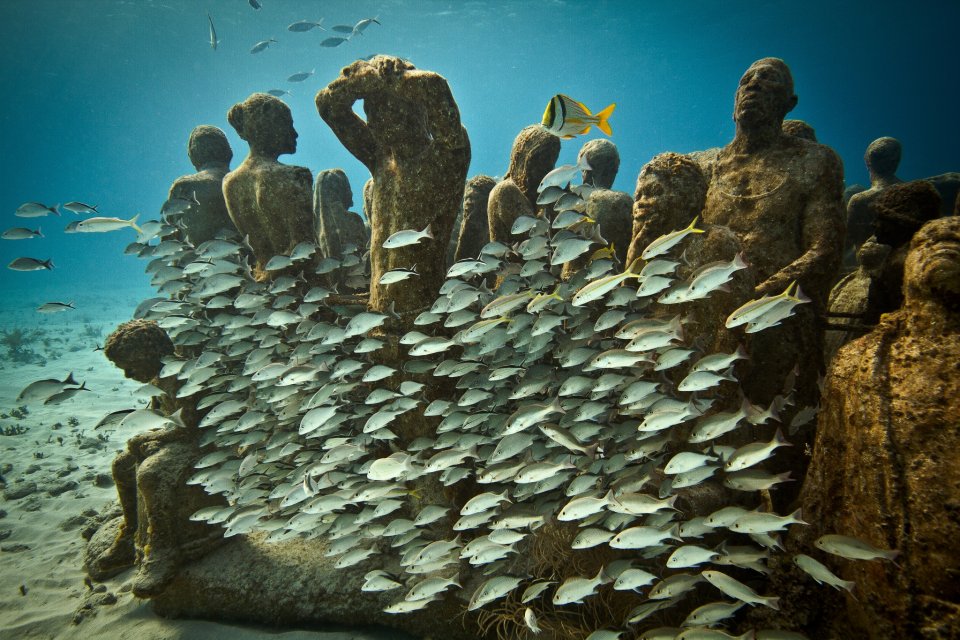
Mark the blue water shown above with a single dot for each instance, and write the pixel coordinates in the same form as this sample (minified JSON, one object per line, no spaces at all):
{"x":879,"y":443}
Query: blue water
{"x":102,"y":94}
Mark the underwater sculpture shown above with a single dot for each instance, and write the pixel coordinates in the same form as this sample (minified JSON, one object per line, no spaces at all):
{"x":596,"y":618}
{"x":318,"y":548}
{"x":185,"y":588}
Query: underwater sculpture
{"x":884,"y":465}
{"x":418,"y":153}
{"x":799,"y":129}
{"x":155,"y":532}
{"x":781,"y":195}
{"x":565,"y":435}
{"x":611,"y":209}
{"x":210,"y":154}
{"x":474,"y":230}
{"x":532,"y":156}
{"x":334,"y":224}
{"x":671,"y":191}
{"x":269,"y":202}
{"x":882,"y":158}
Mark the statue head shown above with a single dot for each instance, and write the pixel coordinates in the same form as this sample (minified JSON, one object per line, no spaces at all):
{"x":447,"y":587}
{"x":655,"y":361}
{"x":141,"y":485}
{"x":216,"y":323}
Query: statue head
{"x":932,"y":267}
{"x":883,"y":157}
{"x":534,"y":154}
{"x":765,"y":94}
{"x":799,"y":129}
{"x":476,"y":195}
{"x":671,"y":182}
{"x":207,"y":146}
{"x":396,"y":117}
{"x":265,"y":123}
{"x":334,"y":183}
{"x":137,"y":347}
{"x":603,"y":157}
{"x":902,"y":209}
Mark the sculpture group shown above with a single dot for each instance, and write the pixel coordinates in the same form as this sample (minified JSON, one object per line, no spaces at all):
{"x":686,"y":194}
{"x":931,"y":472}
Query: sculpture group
{"x":773,"y":198}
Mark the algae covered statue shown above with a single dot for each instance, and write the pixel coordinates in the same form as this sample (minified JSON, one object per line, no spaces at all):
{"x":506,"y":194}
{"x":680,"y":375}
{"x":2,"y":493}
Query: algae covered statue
{"x":782,"y":196}
{"x":884,"y":465}
{"x":335,"y":225}
{"x":269,"y":202}
{"x":418,"y":152}
{"x":882,"y":158}
{"x":611,"y":209}
{"x":198,"y":197}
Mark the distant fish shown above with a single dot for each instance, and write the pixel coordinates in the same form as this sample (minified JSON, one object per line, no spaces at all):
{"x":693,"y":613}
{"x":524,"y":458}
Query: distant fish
{"x":99,"y":225}
{"x":305,"y":25}
{"x":30,"y":264}
{"x":177,"y":205}
{"x":300,"y":77}
{"x":335,"y":41}
{"x":342,"y":28}
{"x":406,"y":237}
{"x":363,"y":24}
{"x":213,"y":34}
{"x":55,"y":307}
{"x":278,"y":93}
{"x":35,"y":210}
{"x":80,"y":208}
{"x":20,"y":233}
{"x":260,"y":46}
{"x":565,"y":117}
{"x":256,"y":5}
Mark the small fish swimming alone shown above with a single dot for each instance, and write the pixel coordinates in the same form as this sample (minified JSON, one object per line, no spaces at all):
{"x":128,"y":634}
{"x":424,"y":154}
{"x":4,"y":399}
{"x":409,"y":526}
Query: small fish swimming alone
{"x":256,"y":4}
{"x":30,"y":264}
{"x":278,"y":93}
{"x":80,"y":208}
{"x":305,"y":25}
{"x":35,"y":210}
{"x":406,"y":238}
{"x":213,"y":34}
{"x":334,"y":41}
{"x":99,"y":225}
{"x":300,"y":77}
{"x":21,"y":233}
{"x":55,"y":307}
{"x":260,"y":46}
{"x":565,"y":117}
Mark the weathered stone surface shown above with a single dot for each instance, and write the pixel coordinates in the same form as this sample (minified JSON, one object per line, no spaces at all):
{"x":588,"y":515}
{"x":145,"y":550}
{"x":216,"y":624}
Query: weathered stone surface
{"x":136,"y":347}
{"x":884,"y":465}
{"x":474,"y":230}
{"x":671,"y":190}
{"x":334,"y":224}
{"x":611,"y":209}
{"x":210,"y":155}
{"x":882,"y":158}
{"x":799,"y":129}
{"x":781,"y":196}
{"x":303,"y":587}
{"x":104,"y":557}
{"x":418,"y":153}
{"x":534,"y":153}
{"x":948,"y":186}
{"x":269,"y":202}
{"x":19,"y":490}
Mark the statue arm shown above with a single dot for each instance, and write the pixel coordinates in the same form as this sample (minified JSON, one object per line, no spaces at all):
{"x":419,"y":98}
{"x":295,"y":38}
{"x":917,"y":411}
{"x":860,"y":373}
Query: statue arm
{"x":442,"y":113}
{"x":335,"y":105}
{"x":822,"y":235}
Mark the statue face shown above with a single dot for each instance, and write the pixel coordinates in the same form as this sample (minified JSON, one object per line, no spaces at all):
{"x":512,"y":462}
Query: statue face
{"x":287,"y":140}
{"x":764,"y":95}
{"x":932,"y":268}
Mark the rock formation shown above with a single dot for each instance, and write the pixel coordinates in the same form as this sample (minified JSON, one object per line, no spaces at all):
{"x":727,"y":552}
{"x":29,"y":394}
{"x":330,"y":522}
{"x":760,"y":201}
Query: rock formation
{"x":418,"y":153}
{"x":269,"y":202}
{"x":210,"y":154}
{"x":611,"y":209}
{"x":884,"y":465}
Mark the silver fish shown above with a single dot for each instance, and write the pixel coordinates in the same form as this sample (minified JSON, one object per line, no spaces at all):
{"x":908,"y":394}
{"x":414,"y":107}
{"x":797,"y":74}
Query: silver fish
{"x":563,"y":175}
{"x":852,"y":548}
{"x":21,"y":233}
{"x":736,"y":589}
{"x":30,"y":264}
{"x":333,"y":41}
{"x":55,"y":307}
{"x":260,"y":46}
{"x":213,"y":34}
{"x":819,"y":572}
{"x":305,"y":25}
{"x":406,"y":238}
{"x":278,"y":93}
{"x":667,"y":241}
{"x":36,"y":210}
{"x":301,"y":76}
{"x":80,"y":208}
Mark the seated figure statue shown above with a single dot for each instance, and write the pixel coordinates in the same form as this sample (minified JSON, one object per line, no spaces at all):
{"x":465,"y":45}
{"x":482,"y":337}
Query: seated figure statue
{"x":210,"y":154}
{"x":473,"y":232}
{"x":533,"y":155}
{"x":417,"y":152}
{"x":269,"y":202}
{"x":882,"y":159}
{"x":335,"y":225}
{"x":611,"y":209}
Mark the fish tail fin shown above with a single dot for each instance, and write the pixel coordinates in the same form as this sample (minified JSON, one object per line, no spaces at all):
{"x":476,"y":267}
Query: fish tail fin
{"x":773,"y":602}
{"x":797,"y":516}
{"x":48,"y":264}
{"x":740,"y":262}
{"x":428,"y":232}
{"x":40,"y":232}
{"x":55,"y":209}
{"x":632,"y":268}
{"x":582,"y":162}
{"x":96,"y":208}
{"x":133,"y":223}
{"x":693,"y":226}
{"x":70,"y":380}
{"x":602,"y":118}
{"x":780,"y":440}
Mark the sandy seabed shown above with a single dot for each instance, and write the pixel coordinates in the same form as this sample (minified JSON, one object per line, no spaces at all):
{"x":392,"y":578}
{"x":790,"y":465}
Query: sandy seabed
{"x":41,"y":548}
